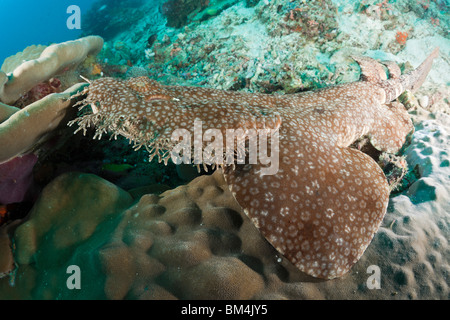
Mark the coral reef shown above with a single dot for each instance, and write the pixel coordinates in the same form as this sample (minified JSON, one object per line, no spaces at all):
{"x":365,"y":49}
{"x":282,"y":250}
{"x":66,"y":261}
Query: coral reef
{"x":23,"y":136}
{"x":23,"y":130}
{"x":168,"y":242}
{"x":29,"y":53}
{"x":195,"y":242}
{"x":129,"y":45}
{"x":7,"y":262}
{"x":311,"y":20}
{"x":159,"y":241}
{"x":136,"y":71}
{"x":213,"y":8}
{"x":177,"y":11}
{"x":266,"y":57}
{"x":40,"y":81}
{"x":413,"y":244}
{"x":39,"y":91}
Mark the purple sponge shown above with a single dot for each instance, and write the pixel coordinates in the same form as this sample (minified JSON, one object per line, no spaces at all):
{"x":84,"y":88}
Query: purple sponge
{"x":16,"y":178}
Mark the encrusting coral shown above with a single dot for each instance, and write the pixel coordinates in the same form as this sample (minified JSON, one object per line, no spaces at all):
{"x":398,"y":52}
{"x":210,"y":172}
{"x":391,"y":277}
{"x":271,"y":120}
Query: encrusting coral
{"x":325,"y":203}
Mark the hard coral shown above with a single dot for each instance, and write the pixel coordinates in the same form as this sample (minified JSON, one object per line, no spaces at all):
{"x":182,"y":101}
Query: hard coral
{"x":55,"y":59}
{"x":184,"y":244}
{"x":45,"y":104}
{"x":27,"y":127}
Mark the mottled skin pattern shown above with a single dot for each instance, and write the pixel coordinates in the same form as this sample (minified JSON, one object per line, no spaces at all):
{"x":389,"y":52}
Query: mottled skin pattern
{"x":326,"y":202}
{"x":148,"y":117}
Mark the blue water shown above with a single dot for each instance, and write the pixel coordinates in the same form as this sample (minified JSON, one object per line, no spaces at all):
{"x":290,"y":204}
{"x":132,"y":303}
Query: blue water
{"x":27,"y":22}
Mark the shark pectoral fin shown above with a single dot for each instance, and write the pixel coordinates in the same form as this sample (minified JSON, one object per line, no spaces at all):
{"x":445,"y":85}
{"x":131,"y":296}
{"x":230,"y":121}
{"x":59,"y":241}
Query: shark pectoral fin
{"x":371,"y":69}
{"x":393,"y":69}
{"x":321,"y":215}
